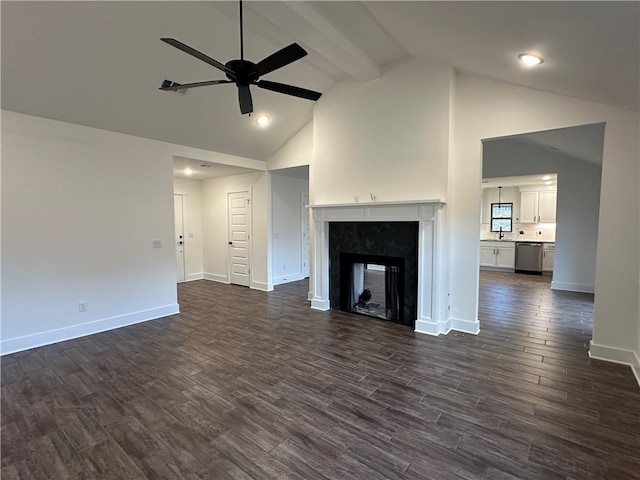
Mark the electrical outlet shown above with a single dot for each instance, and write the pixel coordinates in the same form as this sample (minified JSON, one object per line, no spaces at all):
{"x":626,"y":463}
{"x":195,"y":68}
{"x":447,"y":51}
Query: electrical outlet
{"x":157,"y":244}
{"x":284,"y":267}
{"x":82,"y":306}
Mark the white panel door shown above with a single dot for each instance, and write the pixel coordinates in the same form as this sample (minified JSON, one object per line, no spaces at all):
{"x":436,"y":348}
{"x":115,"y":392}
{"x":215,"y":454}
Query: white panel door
{"x":306,"y":248}
{"x":239,"y":206}
{"x":178,"y":218}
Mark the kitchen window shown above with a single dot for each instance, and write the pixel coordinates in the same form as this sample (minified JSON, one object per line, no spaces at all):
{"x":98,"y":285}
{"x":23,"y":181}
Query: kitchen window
{"x":501,"y":217}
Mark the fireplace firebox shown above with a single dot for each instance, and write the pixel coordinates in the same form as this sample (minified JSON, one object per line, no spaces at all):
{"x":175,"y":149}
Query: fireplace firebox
{"x":372,"y":285}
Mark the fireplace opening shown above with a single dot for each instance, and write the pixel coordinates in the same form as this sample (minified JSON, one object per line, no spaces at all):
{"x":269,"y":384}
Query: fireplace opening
{"x":372,"y":285}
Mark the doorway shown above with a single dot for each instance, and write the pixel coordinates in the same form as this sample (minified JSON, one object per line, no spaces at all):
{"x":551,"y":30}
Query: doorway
{"x":575,"y":155}
{"x":239,"y":218}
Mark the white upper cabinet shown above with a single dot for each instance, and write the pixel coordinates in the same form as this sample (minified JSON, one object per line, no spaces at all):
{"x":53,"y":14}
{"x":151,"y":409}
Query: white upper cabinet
{"x":537,"y":206}
{"x":529,"y":207}
{"x":547,"y":206}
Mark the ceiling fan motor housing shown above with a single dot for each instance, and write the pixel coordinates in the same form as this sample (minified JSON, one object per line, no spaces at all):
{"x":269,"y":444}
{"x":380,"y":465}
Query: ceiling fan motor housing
{"x":243,"y":72}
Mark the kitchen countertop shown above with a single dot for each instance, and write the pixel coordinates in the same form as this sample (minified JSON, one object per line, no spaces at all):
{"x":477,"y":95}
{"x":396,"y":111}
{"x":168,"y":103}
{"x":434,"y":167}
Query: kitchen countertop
{"x":519,"y":240}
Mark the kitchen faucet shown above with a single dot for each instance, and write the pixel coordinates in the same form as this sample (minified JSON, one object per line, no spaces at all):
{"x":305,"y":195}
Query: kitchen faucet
{"x":501,"y":235}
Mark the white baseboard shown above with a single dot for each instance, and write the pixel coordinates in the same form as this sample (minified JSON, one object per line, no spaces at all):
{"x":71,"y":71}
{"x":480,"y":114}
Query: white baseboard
{"x":471,"y":327}
{"x":288,"y":279}
{"x":214,"y":277}
{"x":194,"y":276}
{"x":572,"y":287}
{"x":616,"y":355}
{"x":265,"y":287}
{"x":445,"y":326}
{"x":318,"y":304}
{"x":429,"y":327}
{"x":12,"y":345}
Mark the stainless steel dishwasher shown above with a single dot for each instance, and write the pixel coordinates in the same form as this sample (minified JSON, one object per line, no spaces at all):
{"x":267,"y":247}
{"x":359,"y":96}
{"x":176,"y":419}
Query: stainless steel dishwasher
{"x":529,"y":257}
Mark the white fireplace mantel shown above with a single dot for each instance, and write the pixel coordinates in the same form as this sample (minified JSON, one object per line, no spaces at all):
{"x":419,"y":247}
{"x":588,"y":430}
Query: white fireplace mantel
{"x":432,"y":305}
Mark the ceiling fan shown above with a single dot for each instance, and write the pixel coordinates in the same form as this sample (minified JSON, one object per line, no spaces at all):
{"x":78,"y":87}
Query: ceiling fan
{"x":245,"y":73}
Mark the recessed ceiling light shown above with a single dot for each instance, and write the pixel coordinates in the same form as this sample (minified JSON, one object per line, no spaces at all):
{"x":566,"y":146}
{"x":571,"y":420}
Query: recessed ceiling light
{"x":546,"y":177}
{"x":548,"y":182}
{"x":530,"y":59}
{"x":188,"y":171}
{"x":263,"y":120}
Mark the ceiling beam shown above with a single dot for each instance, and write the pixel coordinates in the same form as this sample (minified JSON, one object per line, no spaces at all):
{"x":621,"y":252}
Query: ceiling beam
{"x":309,"y":27}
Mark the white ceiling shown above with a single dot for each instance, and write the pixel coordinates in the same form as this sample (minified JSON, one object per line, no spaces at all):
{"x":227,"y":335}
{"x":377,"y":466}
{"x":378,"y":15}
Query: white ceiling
{"x":583,"y":142}
{"x":519,"y":181}
{"x":201,"y":170}
{"x":100,"y":63}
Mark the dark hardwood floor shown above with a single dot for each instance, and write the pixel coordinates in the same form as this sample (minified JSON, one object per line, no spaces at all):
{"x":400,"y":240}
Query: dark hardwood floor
{"x":251,"y":385}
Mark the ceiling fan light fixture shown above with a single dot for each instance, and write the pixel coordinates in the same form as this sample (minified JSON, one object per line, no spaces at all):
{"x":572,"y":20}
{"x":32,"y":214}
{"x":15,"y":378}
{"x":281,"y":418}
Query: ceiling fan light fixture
{"x":188,"y":171}
{"x":530,"y":59}
{"x":263,"y":120}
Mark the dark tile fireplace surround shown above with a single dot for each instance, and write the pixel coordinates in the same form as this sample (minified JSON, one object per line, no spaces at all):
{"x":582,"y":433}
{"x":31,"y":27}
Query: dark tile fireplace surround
{"x":383,"y":243}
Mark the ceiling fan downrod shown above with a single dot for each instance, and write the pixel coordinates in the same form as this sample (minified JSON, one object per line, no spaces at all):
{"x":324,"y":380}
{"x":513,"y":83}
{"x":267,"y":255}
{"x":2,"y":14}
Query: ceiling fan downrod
{"x":241,"y":34}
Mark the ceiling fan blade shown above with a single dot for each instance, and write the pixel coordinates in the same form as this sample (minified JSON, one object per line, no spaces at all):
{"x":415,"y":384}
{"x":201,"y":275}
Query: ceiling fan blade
{"x":289,"y":90}
{"x":168,"y":85}
{"x":244,"y":97}
{"x":199,"y":55}
{"x":281,"y":58}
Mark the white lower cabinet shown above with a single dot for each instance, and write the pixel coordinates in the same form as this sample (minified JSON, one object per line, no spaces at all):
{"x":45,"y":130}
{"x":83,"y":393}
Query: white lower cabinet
{"x":498,"y":254}
{"x":548,"y":252}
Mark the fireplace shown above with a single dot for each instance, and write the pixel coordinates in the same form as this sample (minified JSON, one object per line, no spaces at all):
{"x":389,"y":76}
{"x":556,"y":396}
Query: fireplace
{"x":428,"y":310}
{"x":384,"y":254}
{"x":372,"y":285}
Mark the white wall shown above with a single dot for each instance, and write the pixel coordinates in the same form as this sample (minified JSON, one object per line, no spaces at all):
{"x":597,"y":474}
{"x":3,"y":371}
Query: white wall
{"x":191,"y":191}
{"x":488,"y":109}
{"x":80,"y":209}
{"x":296,"y":152}
{"x":388,"y":136}
{"x":215,"y":226}
{"x":578,"y":205}
{"x":286,"y":204}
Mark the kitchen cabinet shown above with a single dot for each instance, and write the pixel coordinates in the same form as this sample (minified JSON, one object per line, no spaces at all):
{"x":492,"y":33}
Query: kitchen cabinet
{"x":547,"y":206}
{"x":548,"y":253}
{"x":498,"y":255}
{"x":538,"y":206}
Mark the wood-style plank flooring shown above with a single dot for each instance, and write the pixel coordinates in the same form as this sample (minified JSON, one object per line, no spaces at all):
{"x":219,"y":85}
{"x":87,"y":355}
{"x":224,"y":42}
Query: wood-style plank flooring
{"x":251,"y":385}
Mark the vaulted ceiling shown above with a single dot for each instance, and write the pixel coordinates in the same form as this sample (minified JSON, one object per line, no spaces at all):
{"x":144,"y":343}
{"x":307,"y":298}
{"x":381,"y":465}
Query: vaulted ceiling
{"x":100,"y":63}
